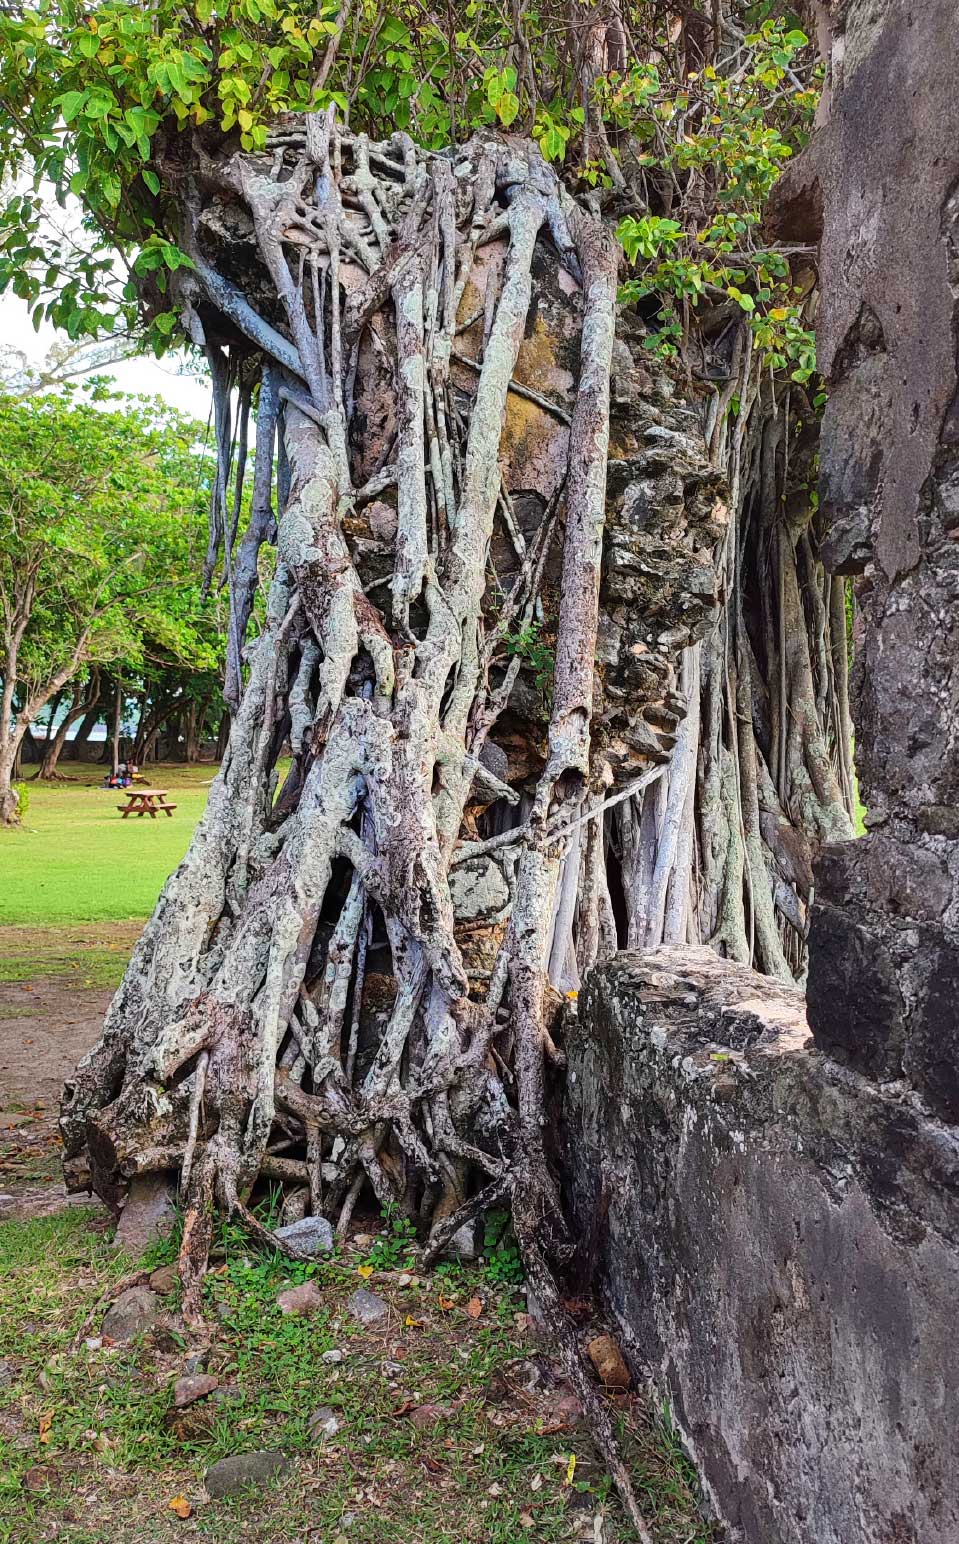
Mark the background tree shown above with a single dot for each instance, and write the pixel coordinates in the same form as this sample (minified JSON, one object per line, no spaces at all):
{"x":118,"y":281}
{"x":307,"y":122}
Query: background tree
{"x":101,"y":515}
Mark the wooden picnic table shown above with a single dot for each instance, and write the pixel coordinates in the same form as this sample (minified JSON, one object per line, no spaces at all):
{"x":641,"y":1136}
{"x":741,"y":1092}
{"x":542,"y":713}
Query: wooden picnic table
{"x":145,"y":801}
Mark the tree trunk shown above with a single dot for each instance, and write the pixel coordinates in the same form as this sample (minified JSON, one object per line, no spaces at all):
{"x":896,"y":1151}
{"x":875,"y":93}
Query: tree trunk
{"x":54,"y":750}
{"x":87,"y":725}
{"x":9,"y":803}
{"x":361,"y":971}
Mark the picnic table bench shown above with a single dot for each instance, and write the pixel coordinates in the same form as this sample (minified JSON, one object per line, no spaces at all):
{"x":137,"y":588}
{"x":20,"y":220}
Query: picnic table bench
{"x":145,"y":801}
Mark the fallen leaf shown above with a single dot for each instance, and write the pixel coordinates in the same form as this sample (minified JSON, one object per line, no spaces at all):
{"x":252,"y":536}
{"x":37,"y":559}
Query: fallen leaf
{"x":413,"y":1324}
{"x":404,"y":1408}
{"x":526,"y":1519}
{"x":46,"y":1421}
{"x":446,"y":1303}
{"x":474,"y":1307}
{"x":570,"y":1469}
{"x":537,"y":1482}
{"x":365,"y":1271}
{"x":181,"y":1506}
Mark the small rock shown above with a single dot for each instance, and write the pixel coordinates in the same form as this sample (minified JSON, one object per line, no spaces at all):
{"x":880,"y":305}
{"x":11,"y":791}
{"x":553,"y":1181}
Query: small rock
{"x":194,"y":1364}
{"x":93,"y":1342}
{"x":607,"y":1358}
{"x":367,"y":1308}
{"x":323,"y":1424}
{"x":6,"y":1374}
{"x":301,"y":1300}
{"x":463,"y":1243}
{"x":332,"y":1358}
{"x":243,"y":1471}
{"x":164,"y":1280}
{"x":362,"y":1240}
{"x":133,"y":1313}
{"x":148,"y":1214}
{"x":425,"y":1416}
{"x":186,"y":1391}
{"x":37,"y":1477}
{"x":310,"y":1236}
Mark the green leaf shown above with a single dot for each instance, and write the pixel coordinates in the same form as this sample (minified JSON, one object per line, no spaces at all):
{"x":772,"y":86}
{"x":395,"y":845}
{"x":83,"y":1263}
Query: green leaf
{"x":70,"y":104}
{"x":151,"y":179}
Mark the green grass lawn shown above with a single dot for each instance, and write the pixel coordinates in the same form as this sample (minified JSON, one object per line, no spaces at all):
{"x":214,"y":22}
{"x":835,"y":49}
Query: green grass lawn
{"x":75,"y":859}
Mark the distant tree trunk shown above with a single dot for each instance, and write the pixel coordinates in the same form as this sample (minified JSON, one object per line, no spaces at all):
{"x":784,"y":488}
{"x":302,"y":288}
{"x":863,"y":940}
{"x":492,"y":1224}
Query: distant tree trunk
{"x":222,"y":736}
{"x":89,"y":722}
{"x":193,"y":724}
{"x":54,"y":749}
{"x":115,"y":731}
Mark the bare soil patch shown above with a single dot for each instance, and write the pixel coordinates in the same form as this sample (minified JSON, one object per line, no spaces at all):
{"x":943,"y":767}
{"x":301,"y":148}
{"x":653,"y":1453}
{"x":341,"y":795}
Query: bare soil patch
{"x":46,"y":1025}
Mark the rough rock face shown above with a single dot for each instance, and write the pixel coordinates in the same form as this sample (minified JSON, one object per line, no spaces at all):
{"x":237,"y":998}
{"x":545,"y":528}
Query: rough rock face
{"x":777,"y":1240}
{"x":882,"y":177}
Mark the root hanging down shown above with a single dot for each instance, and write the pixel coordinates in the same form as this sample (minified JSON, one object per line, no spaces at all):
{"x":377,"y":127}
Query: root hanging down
{"x":353,"y":979}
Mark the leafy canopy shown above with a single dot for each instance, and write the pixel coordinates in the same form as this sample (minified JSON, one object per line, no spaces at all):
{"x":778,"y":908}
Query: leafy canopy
{"x":102,"y":532}
{"x":682,"y":127}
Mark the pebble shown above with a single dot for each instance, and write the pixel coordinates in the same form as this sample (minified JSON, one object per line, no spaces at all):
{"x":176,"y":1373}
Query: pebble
{"x":164,"y":1280}
{"x":243,"y":1471}
{"x":367,"y":1308}
{"x":301,"y":1300}
{"x":186,"y":1391}
{"x":133,"y":1313}
{"x":6,"y":1374}
{"x":332,"y":1358}
{"x":310,"y":1236}
{"x":323,"y":1424}
{"x":606,"y":1357}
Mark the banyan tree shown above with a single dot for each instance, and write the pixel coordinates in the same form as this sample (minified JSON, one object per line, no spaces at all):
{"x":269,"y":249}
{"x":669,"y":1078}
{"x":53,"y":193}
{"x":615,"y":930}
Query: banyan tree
{"x":543,"y":660}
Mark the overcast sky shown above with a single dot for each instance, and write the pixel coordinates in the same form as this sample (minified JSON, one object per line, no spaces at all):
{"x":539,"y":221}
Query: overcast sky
{"x":155,"y":377}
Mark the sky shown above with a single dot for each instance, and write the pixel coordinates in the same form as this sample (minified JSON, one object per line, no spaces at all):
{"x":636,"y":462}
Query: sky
{"x":155,"y":377}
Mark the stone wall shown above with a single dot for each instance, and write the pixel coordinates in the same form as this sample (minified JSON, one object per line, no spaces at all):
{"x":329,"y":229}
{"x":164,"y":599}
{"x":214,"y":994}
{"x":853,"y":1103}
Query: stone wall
{"x":878,"y":189}
{"x":777,"y":1239}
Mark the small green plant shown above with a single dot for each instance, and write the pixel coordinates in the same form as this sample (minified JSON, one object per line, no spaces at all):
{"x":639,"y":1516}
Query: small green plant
{"x":394,"y":1249}
{"x":526,"y":642}
{"x":504,"y":1265}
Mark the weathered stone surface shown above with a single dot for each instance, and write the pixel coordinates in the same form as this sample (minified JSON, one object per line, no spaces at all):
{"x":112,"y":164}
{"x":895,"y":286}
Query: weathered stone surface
{"x":367,"y":1308}
{"x":309,"y":1236}
{"x":164,"y":1280}
{"x":777,"y":1244}
{"x":148,"y":1214}
{"x":608,"y":1360}
{"x":186,"y":1391}
{"x":323,"y":1424}
{"x":879,"y":185}
{"x":243,"y":1472}
{"x":133,"y":1313}
{"x":304,"y":1299}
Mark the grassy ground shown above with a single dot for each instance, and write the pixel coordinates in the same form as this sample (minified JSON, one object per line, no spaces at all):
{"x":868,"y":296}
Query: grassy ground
{"x":75,"y":860}
{"x":450,"y":1427}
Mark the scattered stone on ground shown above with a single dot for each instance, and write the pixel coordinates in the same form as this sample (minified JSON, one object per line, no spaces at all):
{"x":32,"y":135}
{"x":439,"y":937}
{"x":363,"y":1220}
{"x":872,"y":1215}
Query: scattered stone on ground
{"x":164,"y":1280}
{"x":323,"y":1424}
{"x":331,"y":1358}
{"x":243,"y":1471}
{"x":310,"y":1236}
{"x":148,"y":1214}
{"x":425,"y":1416}
{"x":6,"y":1374}
{"x":301,"y":1300}
{"x":463,"y":1243}
{"x":186,"y":1391}
{"x":607,"y":1358}
{"x":367,"y":1308}
{"x":133,"y":1313}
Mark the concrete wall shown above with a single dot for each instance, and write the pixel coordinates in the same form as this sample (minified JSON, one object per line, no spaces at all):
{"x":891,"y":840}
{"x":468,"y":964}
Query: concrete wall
{"x":777,"y":1239}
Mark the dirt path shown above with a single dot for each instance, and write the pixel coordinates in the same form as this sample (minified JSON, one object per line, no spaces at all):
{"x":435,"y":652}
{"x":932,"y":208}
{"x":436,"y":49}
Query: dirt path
{"x":46,"y":1025}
